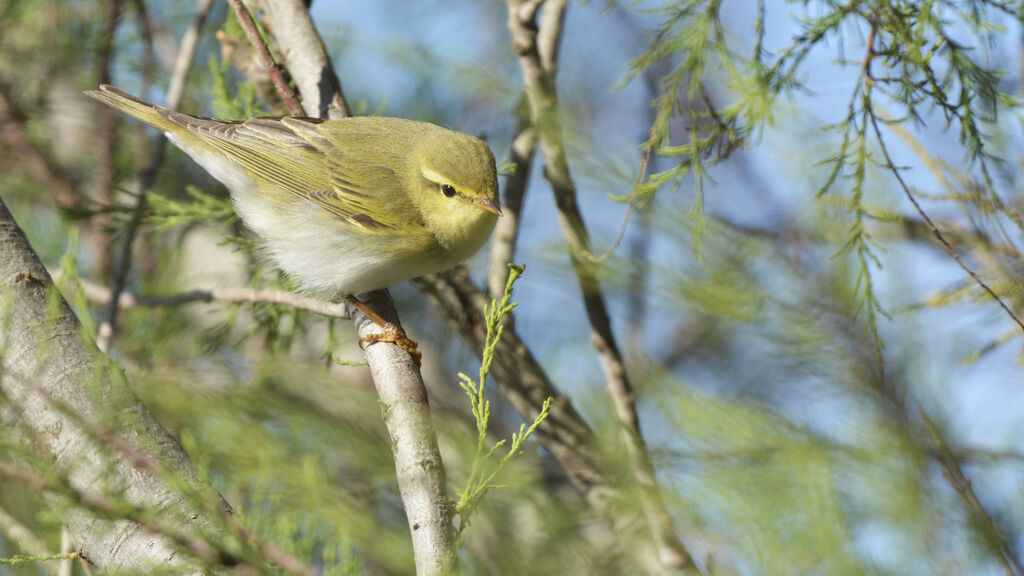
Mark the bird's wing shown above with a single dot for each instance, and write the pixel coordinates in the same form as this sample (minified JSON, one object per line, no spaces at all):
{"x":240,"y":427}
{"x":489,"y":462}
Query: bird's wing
{"x":294,"y":155}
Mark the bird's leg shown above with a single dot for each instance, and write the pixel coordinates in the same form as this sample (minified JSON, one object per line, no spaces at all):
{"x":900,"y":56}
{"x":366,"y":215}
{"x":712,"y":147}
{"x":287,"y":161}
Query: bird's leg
{"x":391,"y":332}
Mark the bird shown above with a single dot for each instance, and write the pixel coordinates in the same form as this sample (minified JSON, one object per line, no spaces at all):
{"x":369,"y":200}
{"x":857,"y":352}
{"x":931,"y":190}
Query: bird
{"x":343,"y":206}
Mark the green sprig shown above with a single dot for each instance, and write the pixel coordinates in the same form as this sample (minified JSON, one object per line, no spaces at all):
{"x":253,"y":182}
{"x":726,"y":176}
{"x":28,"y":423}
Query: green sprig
{"x":481,"y":480}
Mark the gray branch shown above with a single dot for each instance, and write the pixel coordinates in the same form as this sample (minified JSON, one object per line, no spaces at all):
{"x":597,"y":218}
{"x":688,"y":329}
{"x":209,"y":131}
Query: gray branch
{"x":418,"y":466}
{"x":96,"y":293}
{"x":304,"y":55}
{"x":45,"y":364}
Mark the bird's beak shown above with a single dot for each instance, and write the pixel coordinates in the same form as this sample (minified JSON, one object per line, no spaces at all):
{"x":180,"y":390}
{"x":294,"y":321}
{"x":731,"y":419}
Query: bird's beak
{"x":490,"y":205}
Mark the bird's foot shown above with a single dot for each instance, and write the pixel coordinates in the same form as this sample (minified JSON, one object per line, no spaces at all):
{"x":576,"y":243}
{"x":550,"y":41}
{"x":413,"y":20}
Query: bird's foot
{"x":393,"y":335}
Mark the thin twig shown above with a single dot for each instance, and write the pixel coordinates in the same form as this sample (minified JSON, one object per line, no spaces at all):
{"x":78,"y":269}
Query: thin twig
{"x":645,"y":160}
{"x":107,"y":330}
{"x":96,"y":293}
{"x":103,"y":181}
{"x":935,"y":230}
{"x":274,"y":69}
{"x":950,"y":466}
{"x":954,"y":473}
{"x":917,"y":206}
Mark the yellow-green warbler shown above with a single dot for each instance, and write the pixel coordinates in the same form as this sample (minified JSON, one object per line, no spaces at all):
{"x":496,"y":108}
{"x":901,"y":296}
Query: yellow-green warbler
{"x":344,"y":206}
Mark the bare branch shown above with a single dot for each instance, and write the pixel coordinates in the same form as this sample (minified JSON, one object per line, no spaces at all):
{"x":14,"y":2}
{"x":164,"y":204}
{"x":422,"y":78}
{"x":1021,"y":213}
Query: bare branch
{"x":103,"y":179}
{"x":506,"y":232}
{"x":418,"y":466}
{"x":539,"y":84}
{"x":420,"y":471}
{"x":95,"y":293}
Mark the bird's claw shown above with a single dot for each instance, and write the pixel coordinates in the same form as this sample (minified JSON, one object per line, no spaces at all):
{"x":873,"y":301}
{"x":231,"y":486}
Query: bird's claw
{"x":393,"y":335}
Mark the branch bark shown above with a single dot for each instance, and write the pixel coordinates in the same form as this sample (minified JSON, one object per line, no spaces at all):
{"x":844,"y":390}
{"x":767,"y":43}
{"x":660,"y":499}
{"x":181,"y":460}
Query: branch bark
{"x":43,"y":358}
{"x":304,"y":56}
{"x":418,"y":466}
{"x":97,"y":294}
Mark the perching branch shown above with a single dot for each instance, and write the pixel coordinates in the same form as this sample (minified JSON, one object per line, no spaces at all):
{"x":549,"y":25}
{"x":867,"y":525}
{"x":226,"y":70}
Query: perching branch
{"x":419,"y":469}
{"x":539,"y":84}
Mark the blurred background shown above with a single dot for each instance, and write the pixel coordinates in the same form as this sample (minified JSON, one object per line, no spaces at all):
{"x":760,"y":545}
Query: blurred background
{"x":810,"y":363}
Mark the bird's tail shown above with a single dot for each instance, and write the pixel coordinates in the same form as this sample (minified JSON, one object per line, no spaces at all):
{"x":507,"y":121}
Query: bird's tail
{"x":156,"y":116}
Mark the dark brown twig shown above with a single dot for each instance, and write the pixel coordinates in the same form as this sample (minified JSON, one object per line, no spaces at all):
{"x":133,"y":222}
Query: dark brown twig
{"x":107,"y":135}
{"x":951,"y":467}
{"x":910,"y":196}
{"x":274,"y":69}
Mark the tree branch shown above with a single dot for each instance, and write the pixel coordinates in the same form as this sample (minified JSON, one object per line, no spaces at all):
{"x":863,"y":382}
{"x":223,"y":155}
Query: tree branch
{"x":506,"y":232}
{"x":96,"y":293}
{"x":418,"y":466}
{"x":536,"y":61}
{"x":274,"y":70}
{"x":42,"y":357}
{"x":304,"y":55}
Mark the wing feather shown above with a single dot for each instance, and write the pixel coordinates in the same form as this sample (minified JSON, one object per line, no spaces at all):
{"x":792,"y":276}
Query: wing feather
{"x":332,"y":172}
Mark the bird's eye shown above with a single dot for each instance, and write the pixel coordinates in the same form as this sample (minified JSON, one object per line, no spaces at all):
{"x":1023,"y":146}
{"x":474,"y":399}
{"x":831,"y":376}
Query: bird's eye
{"x":448,"y":190}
